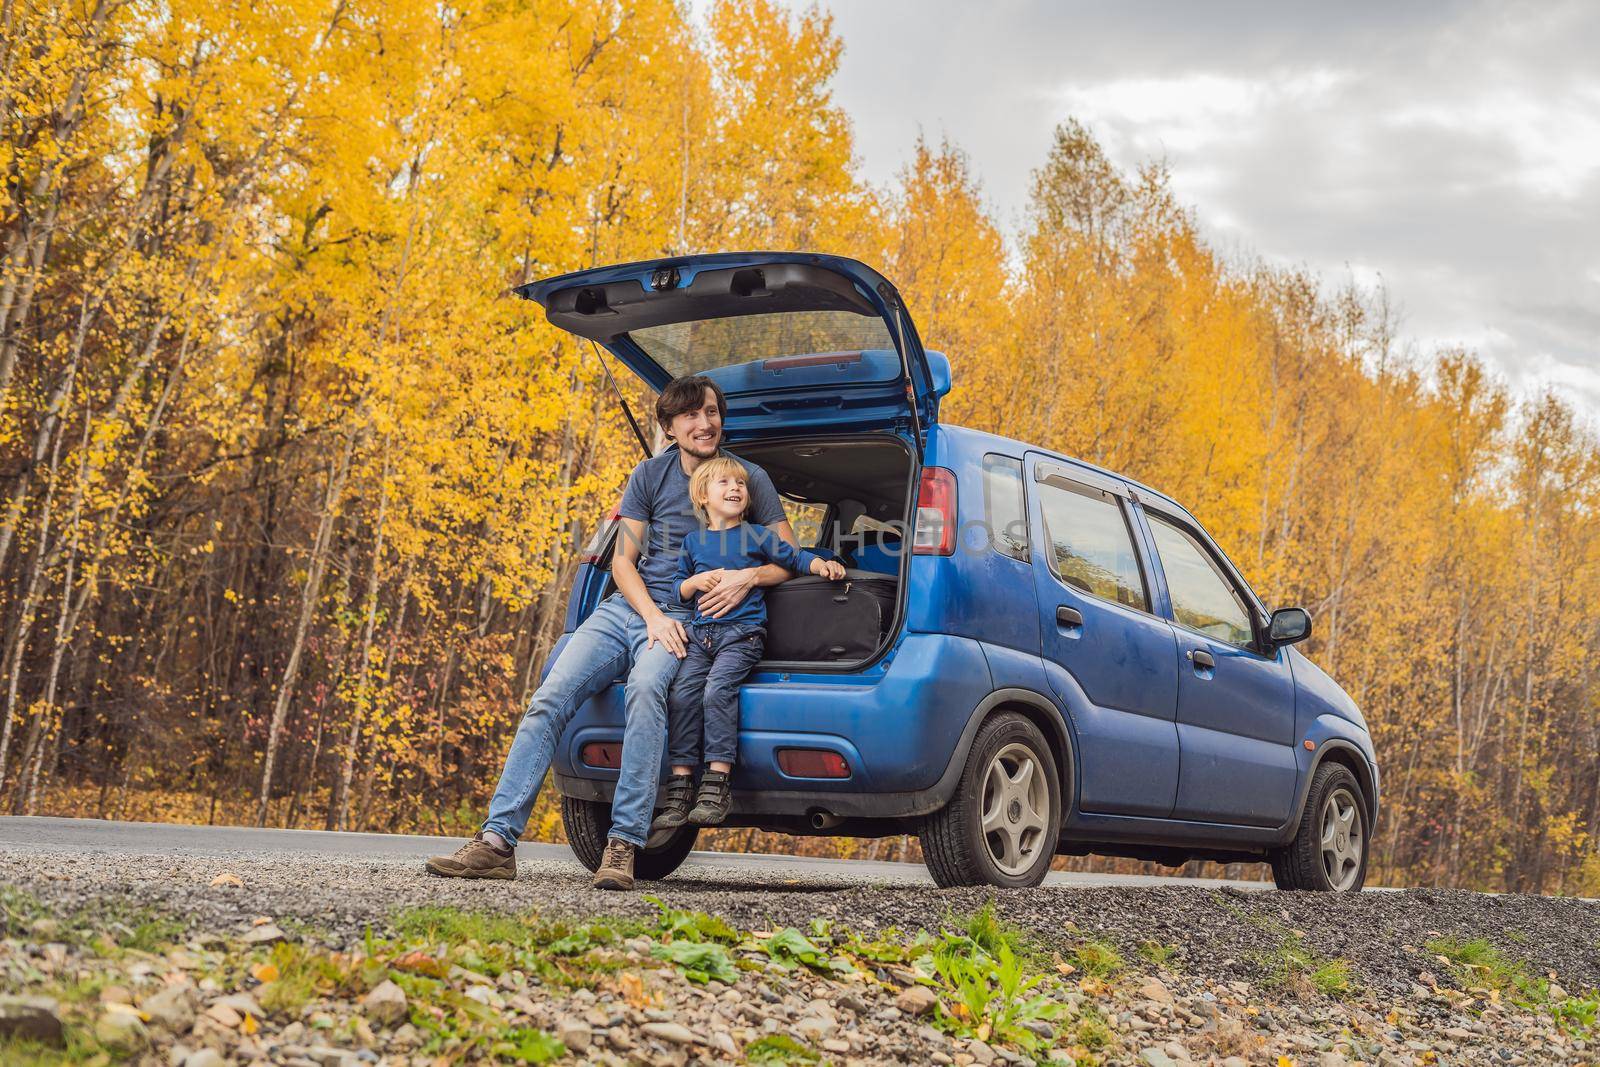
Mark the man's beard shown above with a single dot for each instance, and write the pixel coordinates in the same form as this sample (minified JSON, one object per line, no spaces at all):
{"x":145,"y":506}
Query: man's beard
{"x":699,"y":451}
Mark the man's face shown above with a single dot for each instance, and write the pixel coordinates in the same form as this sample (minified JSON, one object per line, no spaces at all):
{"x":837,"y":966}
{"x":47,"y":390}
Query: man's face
{"x":699,"y":432}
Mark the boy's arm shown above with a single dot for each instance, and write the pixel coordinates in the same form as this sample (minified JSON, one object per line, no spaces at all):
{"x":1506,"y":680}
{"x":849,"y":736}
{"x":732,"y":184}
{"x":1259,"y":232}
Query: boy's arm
{"x":684,"y":578}
{"x":736,"y":585}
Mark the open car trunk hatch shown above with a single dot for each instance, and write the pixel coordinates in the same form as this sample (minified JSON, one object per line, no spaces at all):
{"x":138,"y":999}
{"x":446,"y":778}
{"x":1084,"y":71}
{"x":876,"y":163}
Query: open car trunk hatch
{"x":798,"y":342}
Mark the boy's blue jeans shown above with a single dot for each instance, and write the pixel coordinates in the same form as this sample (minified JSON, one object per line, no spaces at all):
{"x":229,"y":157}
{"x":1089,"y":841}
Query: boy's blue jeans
{"x":610,"y":641}
{"x":703,"y":704}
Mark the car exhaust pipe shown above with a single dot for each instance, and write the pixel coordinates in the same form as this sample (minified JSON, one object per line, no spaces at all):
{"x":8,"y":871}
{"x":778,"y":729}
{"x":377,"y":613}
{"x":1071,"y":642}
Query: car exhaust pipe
{"x":824,"y":820}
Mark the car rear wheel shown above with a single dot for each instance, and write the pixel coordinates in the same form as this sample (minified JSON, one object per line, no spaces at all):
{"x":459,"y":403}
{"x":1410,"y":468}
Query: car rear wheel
{"x":1330,"y":848}
{"x":588,"y":822}
{"x":1000,"y":827}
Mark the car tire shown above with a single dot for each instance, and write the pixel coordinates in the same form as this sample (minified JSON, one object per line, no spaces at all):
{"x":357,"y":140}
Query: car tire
{"x":588,"y":823}
{"x":1024,"y":816}
{"x":1331,"y":845}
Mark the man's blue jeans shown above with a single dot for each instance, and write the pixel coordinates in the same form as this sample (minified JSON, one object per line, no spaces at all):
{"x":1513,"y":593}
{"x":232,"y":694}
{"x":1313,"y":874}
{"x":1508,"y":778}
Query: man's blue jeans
{"x":597,"y":654}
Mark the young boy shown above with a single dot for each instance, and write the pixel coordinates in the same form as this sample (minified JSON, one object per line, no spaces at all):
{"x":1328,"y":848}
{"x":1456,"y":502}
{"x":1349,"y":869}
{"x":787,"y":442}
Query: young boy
{"x":703,"y":703}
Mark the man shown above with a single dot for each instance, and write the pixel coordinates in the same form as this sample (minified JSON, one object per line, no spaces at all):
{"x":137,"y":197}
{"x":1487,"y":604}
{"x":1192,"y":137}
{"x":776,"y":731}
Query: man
{"x":638,"y":632}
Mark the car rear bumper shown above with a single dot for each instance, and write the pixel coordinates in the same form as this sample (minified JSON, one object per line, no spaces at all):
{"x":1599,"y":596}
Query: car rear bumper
{"x":898,"y":724}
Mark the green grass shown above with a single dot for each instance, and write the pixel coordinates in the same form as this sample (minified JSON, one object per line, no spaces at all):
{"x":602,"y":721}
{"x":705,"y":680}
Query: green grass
{"x":778,"y":1049}
{"x":1154,"y":952}
{"x":1097,"y":959}
{"x":1293,"y":964}
{"x":452,"y":926}
{"x":989,"y":931}
{"x":1331,"y":978}
{"x":692,"y":925}
{"x":304,"y":974}
{"x":1478,"y":963}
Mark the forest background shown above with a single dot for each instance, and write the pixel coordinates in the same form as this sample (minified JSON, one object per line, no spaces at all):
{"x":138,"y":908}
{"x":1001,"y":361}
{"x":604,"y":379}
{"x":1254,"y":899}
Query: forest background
{"x":291,"y":490}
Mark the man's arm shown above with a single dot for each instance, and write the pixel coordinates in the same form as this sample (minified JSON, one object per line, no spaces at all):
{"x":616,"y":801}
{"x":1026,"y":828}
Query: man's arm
{"x":736,"y":585}
{"x":625,"y":572}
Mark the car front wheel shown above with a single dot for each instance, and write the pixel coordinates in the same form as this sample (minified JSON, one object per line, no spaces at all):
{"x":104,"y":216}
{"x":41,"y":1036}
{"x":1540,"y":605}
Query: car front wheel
{"x":1000,"y":827}
{"x":1330,"y":848}
{"x":588,"y":822}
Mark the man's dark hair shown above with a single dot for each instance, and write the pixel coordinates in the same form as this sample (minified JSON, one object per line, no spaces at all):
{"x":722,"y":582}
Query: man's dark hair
{"x":687,"y":394}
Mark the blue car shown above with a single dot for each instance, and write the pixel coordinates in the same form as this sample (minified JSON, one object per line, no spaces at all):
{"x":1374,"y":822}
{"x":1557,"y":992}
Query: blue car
{"x":1070,"y":664}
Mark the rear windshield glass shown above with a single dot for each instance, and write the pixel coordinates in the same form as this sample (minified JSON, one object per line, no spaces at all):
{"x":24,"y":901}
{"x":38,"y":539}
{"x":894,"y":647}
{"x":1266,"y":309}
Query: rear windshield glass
{"x":705,"y":344}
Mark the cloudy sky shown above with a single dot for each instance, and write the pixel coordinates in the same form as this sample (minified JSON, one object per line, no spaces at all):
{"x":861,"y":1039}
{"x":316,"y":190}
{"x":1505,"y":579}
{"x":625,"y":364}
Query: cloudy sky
{"x":1450,"y":149}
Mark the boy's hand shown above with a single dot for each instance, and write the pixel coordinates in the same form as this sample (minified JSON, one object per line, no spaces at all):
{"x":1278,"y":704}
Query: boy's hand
{"x":704,"y":582}
{"x":830,"y":569}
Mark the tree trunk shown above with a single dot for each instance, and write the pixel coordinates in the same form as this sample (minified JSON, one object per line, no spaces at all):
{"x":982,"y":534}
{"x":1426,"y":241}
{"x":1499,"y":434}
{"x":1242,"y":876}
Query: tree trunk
{"x":309,"y":596}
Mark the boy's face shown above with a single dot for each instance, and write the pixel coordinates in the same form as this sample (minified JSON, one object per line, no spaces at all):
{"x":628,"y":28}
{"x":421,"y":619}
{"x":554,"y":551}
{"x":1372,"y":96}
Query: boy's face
{"x":726,"y":497}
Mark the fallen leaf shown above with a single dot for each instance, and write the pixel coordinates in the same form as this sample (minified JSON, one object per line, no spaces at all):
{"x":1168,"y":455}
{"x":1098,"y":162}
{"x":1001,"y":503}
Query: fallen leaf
{"x":418,"y":962}
{"x":1284,"y":1061}
{"x":260,"y":920}
{"x":249,"y":1025}
{"x":264,"y":973}
{"x":983,"y":1032}
{"x":632,"y":986}
{"x":228,"y":878}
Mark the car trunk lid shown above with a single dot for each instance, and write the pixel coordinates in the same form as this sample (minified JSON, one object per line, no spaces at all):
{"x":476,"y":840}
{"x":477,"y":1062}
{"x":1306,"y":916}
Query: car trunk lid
{"x":797,"y":341}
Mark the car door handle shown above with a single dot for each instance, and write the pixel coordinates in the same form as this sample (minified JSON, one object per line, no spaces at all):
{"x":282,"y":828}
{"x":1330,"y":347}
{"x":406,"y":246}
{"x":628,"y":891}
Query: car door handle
{"x":1068,"y":616}
{"x":1201,"y":658}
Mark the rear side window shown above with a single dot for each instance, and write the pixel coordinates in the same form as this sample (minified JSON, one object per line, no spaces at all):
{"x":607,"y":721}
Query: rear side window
{"x":806,"y":519}
{"x":1202,"y":597}
{"x":1090,"y":545}
{"x":1003,"y":509}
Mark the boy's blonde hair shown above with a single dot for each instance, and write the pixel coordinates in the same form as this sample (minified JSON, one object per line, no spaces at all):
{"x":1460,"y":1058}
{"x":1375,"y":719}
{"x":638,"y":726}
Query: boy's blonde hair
{"x":715,"y":467}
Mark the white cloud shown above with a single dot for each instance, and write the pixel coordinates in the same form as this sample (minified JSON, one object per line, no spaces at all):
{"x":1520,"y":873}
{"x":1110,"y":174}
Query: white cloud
{"x":1452,"y":149}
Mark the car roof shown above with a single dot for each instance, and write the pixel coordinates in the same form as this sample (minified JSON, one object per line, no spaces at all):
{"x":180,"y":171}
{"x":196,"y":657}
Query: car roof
{"x":996,"y":443}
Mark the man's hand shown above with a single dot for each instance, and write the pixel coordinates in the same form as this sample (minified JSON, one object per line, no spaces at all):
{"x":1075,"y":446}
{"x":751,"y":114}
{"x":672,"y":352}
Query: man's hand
{"x":733,"y":588}
{"x":827,"y":568}
{"x":669,"y":631}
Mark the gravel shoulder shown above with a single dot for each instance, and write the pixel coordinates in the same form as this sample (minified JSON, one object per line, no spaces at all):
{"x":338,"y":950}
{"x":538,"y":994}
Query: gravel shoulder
{"x":1195,"y":972}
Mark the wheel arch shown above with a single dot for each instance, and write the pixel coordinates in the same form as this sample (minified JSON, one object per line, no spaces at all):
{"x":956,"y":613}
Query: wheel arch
{"x":1351,"y":758}
{"x":1043,"y":713}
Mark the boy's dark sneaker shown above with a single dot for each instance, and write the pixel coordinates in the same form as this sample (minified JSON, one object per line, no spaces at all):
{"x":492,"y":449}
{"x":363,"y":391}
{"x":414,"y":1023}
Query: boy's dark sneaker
{"x":680,"y":797}
{"x":616,"y":867}
{"x":716,"y":797}
{"x":475,"y":859}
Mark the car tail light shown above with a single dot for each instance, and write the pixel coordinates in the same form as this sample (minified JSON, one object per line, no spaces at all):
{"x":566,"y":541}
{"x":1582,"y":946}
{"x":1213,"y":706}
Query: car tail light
{"x":603,"y":754}
{"x":936,"y":513}
{"x":597,"y":543}
{"x":812,"y":763}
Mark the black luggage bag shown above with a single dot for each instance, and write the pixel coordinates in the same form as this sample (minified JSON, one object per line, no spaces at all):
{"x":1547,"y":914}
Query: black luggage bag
{"x":812,"y":619}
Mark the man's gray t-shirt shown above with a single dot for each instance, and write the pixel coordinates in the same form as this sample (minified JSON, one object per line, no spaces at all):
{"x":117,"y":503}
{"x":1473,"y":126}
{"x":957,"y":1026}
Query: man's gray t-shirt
{"x":658,"y":495}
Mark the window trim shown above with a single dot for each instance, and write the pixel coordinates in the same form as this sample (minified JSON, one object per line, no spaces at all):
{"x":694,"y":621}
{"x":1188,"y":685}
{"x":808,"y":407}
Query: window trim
{"x":1220,"y":566}
{"x":1022,"y":505}
{"x":1055,"y":477}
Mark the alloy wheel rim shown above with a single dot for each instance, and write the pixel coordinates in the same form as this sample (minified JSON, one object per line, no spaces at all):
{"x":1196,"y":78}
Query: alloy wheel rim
{"x":1342,"y":839}
{"x":1016,"y":806}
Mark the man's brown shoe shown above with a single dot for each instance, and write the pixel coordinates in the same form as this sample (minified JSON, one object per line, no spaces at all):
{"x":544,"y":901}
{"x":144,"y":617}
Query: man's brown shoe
{"x":616,"y":869}
{"x":475,"y":859}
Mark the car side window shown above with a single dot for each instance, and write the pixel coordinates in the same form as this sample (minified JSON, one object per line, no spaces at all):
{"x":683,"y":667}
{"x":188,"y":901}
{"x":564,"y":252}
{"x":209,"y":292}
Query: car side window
{"x":805,"y":519}
{"x":1202,"y":596}
{"x":1003,"y":508}
{"x":1090,"y":546}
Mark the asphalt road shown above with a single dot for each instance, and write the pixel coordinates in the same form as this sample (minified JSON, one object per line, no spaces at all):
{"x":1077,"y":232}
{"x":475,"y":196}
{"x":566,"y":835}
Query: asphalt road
{"x":20,"y":833}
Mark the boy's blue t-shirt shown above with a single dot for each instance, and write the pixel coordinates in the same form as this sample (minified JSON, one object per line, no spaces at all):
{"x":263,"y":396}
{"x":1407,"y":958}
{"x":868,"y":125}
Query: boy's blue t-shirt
{"x":658,"y":495}
{"x":745,"y":545}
